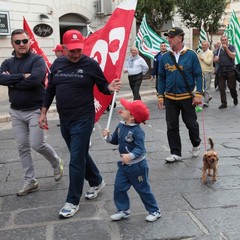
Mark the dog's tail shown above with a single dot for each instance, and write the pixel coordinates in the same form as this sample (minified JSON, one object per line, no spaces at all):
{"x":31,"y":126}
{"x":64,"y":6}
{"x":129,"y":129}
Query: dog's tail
{"x":211,"y":142}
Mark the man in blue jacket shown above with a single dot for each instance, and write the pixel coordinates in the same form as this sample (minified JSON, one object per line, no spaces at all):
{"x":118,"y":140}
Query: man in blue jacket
{"x":178,"y":87}
{"x":24,"y":74}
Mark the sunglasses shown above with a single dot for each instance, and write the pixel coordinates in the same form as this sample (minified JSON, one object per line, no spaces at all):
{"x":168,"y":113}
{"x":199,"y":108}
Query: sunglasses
{"x":24,"y":41}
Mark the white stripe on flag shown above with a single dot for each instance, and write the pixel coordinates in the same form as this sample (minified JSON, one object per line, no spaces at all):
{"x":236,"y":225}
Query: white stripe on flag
{"x":202,"y":37}
{"x":148,"y":41}
{"x":233,"y":33}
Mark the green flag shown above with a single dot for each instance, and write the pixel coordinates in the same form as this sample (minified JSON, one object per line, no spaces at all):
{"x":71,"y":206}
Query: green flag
{"x":233,"y":33}
{"x":202,"y":37}
{"x":147,"y":41}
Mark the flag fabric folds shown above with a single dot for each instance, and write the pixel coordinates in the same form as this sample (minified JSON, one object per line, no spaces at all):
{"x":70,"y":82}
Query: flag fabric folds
{"x":34,"y":44}
{"x":148,"y":41}
{"x":36,"y":49}
{"x":108,"y":47}
{"x":202,"y":37}
{"x":232,"y":31}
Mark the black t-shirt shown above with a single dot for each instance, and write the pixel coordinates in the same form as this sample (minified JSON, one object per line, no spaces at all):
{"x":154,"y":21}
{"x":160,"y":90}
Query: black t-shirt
{"x":224,"y":59}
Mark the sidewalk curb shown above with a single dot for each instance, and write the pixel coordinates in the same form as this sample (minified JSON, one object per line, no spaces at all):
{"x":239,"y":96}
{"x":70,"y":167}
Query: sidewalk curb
{"x":7,"y":118}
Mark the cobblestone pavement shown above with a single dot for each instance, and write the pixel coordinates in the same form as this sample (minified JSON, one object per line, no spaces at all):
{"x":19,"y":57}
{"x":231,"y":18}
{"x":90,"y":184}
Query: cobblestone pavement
{"x":190,"y":210}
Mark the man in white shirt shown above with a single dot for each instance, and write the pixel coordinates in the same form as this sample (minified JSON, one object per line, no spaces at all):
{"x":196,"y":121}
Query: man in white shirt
{"x":136,"y":67}
{"x":206,"y":61}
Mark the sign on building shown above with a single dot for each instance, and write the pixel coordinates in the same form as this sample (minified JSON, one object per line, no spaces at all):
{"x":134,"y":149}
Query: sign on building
{"x":4,"y":23}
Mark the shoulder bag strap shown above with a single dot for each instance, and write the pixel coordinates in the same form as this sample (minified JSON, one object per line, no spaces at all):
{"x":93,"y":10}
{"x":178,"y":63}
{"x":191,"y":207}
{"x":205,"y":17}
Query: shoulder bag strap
{"x":181,"y":72}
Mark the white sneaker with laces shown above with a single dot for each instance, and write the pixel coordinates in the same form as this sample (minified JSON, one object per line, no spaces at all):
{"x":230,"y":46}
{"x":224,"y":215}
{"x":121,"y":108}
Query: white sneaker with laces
{"x":173,"y":158}
{"x":153,"y":216}
{"x":68,"y":210}
{"x":195,"y":151}
{"x":120,"y":215}
{"x":93,"y":191}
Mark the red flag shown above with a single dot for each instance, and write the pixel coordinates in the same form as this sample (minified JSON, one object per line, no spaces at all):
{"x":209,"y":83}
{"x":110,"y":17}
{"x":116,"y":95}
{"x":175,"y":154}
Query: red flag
{"x":36,"y":49}
{"x":34,"y":44}
{"x":108,"y":46}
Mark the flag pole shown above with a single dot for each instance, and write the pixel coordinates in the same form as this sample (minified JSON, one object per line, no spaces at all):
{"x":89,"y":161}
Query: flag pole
{"x":111,"y":112}
{"x":48,"y":68}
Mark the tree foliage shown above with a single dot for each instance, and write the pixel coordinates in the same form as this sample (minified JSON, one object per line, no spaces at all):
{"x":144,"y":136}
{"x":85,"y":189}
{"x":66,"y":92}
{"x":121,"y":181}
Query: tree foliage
{"x":157,"y":12}
{"x":193,"y":12}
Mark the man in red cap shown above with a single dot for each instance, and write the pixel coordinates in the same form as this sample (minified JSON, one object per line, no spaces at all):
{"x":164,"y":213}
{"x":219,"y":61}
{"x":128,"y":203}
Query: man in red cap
{"x":132,"y":167}
{"x":58,"y":50}
{"x":72,"y":80}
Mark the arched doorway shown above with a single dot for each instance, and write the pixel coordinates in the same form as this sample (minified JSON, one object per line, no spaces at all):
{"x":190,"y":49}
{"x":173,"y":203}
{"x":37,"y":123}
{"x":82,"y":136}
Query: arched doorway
{"x":72,"y":21}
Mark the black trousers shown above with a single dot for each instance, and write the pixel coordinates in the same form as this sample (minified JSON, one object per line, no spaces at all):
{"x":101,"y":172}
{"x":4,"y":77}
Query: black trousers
{"x":230,"y":78}
{"x":135,"y":82}
{"x":189,"y":117}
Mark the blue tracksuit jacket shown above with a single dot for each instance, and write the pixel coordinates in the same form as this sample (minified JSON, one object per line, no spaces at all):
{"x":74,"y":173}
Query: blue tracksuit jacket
{"x":170,"y":81}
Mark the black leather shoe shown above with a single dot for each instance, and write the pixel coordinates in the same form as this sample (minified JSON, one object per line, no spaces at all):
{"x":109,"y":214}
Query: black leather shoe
{"x":209,"y":99}
{"x":222,"y":106}
{"x":205,"y":105}
{"x":235,"y":101}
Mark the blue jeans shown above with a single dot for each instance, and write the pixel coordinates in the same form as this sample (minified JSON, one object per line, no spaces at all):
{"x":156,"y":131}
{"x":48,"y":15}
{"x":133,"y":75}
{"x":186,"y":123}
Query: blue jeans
{"x":77,"y":136}
{"x":135,"y":175}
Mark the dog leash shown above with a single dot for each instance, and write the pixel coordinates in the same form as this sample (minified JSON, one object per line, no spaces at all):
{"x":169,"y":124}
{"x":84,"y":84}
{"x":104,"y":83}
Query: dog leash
{"x":204,"y":131}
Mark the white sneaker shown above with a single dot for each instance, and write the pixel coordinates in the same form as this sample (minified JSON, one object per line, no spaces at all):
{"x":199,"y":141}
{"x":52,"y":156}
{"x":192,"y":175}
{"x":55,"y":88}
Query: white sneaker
{"x":153,"y":216}
{"x":195,"y":151}
{"x":93,"y":191}
{"x":120,"y":215}
{"x":173,"y":158}
{"x":68,"y":210}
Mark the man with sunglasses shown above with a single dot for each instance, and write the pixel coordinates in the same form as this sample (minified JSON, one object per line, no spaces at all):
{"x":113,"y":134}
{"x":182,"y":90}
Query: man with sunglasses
{"x":180,"y":72}
{"x":24,"y":74}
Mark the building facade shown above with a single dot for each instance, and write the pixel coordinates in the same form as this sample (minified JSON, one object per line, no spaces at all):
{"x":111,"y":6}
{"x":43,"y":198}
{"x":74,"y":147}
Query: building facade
{"x":51,"y":18}
{"x":59,"y":15}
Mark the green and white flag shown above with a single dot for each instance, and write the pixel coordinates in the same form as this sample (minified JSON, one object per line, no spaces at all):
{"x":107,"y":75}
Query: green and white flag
{"x":202,"y":37}
{"x":147,"y":41}
{"x":233,"y":33}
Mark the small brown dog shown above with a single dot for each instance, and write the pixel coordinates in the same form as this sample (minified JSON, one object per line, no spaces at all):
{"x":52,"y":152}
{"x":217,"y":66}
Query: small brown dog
{"x":210,"y":162}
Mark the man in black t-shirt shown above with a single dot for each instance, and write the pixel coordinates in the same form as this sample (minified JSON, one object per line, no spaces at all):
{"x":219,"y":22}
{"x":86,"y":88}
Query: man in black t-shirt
{"x":225,"y":57}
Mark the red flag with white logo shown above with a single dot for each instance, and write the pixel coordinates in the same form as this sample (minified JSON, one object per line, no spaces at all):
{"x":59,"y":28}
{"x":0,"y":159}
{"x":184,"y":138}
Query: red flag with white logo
{"x":108,"y":47}
{"x":34,"y":44}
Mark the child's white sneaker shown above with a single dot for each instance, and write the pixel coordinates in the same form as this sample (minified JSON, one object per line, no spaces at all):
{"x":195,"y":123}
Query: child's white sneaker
{"x":153,"y":216}
{"x":120,"y":215}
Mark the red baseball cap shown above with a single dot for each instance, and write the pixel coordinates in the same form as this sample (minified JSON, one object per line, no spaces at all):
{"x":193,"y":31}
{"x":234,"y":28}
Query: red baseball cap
{"x":137,"y":108}
{"x":73,"y":39}
{"x":58,"y":48}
